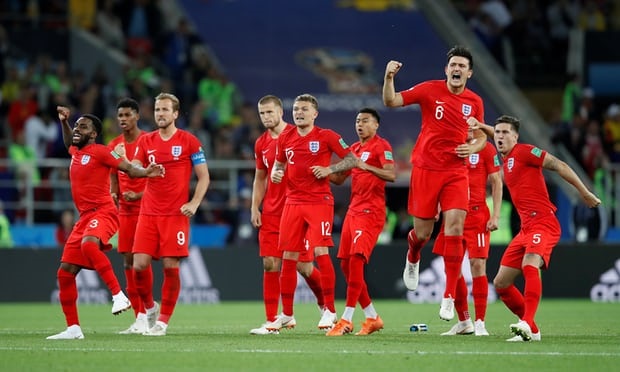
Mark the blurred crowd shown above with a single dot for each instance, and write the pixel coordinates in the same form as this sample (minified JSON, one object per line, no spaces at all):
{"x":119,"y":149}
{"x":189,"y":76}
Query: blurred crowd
{"x":164,"y":54}
{"x":530,"y":38}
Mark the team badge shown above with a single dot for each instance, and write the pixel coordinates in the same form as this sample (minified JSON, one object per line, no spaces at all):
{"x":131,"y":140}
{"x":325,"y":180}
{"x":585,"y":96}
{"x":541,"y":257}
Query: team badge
{"x":314,"y":146}
{"x":510,"y":164}
{"x":176,"y":150}
{"x":85,"y":159}
{"x":474,"y":159}
{"x":365,"y":156}
{"x":537,"y":152}
{"x":466,"y":109}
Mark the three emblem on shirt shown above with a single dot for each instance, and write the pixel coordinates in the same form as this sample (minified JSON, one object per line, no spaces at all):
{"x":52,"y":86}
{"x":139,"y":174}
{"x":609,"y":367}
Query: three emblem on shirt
{"x":365,"y":155}
{"x":176,"y":151}
{"x":314,"y":146}
{"x":85,"y":159}
{"x":474,"y":159}
{"x":466,"y":109}
{"x":510,"y":164}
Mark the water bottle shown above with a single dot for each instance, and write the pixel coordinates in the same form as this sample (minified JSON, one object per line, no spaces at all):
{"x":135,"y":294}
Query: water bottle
{"x":418,"y":327}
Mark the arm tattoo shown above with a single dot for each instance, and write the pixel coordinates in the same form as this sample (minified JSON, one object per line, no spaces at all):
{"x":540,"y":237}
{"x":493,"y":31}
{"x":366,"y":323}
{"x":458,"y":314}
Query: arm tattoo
{"x":349,"y":162}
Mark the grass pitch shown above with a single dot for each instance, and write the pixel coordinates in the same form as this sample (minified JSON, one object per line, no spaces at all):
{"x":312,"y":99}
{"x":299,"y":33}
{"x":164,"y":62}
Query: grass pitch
{"x":577,"y":335}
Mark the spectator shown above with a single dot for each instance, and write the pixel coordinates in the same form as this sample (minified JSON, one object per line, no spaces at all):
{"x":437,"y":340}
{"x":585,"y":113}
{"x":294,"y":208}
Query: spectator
{"x":244,"y":134}
{"x":591,"y":18}
{"x":611,"y":129}
{"x":109,"y":26}
{"x":218,"y":95}
{"x":562,"y":18}
{"x":177,"y":54}
{"x":592,"y":153}
{"x":141,"y":21}
{"x":21,"y":109}
{"x":65,"y":225}
{"x":587,"y":107}
{"x":24,"y":159}
{"x":489,"y":24}
{"x":6,"y":241}
{"x":40,"y":131}
{"x":571,"y":97}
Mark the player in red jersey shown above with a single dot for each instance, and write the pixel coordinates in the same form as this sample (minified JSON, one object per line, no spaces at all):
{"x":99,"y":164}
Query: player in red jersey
{"x":163,"y":224}
{"x":364,"y":219}
{"x":98,"y":222}
{"x":305,"y":153}
{"x":272,"y":196}
{"x":482,"y":167}
{"x":439,"y":173}
{"x":530,"y":250}
{"x":127,"y":193}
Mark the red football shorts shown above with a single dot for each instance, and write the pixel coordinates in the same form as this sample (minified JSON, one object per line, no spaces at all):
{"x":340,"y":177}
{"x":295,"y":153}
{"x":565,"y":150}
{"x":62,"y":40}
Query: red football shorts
{"x":475,"y":234}
{"x":126,"y":232}
{"x":360,"y":233}
{"x":428,"y":189}
{"x":538,"y":237}
{"x":162,"y":236}
{"x":310,"y":221}
{"x":269,"y":235}
{"x":101,"y":223}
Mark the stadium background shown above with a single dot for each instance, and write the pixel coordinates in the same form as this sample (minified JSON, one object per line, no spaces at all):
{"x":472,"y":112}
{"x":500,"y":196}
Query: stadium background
{"x":335,"y":50}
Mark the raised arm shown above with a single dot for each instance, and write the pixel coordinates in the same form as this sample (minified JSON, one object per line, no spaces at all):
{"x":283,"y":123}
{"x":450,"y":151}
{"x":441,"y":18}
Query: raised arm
{"x":568,"y":174}
{"x":67,"y":131}
{"x":390,"y":97}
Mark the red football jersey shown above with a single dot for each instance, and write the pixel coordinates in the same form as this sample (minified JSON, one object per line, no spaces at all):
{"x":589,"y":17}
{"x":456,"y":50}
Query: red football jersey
{"x":368,"y":190}
{"x":265,"y":155}
{"x":444,"y":123}
{"x":480,"y":165}
{"x":126,"y":183}
{"x":164,"y":196}
{"x":300,"y":153}
{"x":525,"y":181}
{"x":89,"y":173}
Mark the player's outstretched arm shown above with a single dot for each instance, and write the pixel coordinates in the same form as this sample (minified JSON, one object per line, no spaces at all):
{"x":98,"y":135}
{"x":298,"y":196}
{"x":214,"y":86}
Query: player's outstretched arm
{"x":569,"y":175}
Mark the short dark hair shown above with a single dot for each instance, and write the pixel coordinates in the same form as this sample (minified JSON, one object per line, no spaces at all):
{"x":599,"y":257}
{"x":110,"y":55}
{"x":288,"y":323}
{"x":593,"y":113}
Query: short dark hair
{"x":507,"y":119}
{"x":95,"y":121}
{"x":371,"y":111}
{"x":460,"y":51}
{"x":128,"y":103}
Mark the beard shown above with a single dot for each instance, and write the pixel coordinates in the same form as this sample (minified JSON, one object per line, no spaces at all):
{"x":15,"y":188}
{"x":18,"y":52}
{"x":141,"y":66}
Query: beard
{"x":83,"y":141}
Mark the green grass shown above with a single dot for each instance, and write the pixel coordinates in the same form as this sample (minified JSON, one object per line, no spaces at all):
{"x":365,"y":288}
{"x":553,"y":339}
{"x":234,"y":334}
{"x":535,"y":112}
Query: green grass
{"x":577,"y":335}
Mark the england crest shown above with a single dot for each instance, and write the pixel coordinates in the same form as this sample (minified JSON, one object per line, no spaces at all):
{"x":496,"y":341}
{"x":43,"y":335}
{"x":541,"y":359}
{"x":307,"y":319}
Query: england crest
{"x":466,"y":109}
{"x":474,"y":159}
{"x":176,"y":150}
{"x":510,"y":164}
{"x":85,"y":159}
{"x":314,"y":146}
{"x":365,"y":156}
